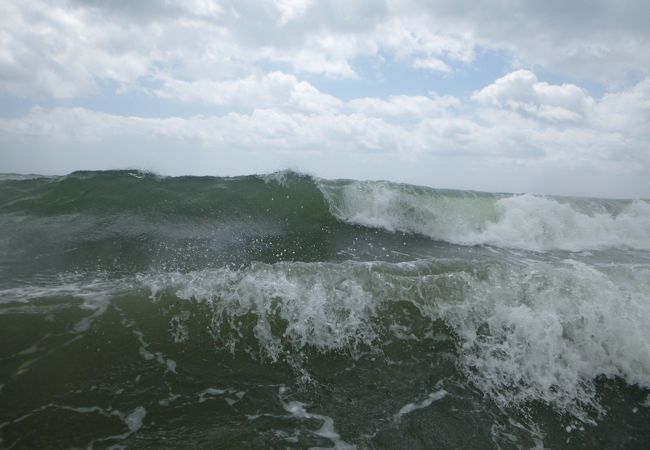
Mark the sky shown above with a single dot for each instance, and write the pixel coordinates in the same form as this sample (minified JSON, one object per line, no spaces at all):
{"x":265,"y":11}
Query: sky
{"x":549,"y":97}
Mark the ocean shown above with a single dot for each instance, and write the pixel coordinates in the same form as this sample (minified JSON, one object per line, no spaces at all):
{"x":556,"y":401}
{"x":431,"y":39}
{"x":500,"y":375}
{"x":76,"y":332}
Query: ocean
{"x":285,"y":311}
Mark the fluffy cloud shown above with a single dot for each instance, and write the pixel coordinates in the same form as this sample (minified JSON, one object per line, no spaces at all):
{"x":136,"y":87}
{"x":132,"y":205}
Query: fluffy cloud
{"x":266,"y":129}
{"x":597,"y":40}
{"x":521,"y":91}
{"x":433,"y":64}
{"x":627,"y":111}
{"x":508,"y":122}
{"x":567,"y":125}
{"x":275,"y":89}
{"x":405,"y":105}
{"x":68,"y":48}
{"x":286,"y":92}
{"x":54,"y":50}
{"x":291,"y":9}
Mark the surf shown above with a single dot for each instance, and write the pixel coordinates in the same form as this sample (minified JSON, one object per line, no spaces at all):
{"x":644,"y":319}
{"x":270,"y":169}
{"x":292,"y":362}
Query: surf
{"x":276,"y":301}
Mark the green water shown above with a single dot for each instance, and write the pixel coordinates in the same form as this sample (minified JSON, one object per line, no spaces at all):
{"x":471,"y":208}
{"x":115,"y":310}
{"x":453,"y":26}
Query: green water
{"x":283,"y":311}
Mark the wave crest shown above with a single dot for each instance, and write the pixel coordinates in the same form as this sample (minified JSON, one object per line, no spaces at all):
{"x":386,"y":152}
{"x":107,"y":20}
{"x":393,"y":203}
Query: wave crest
{"x":527,"y":222}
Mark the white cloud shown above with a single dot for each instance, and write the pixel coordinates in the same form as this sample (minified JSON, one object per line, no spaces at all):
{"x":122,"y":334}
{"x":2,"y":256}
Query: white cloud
{"x":65,"y":48}
{"x":404,"y":105}
{"x":433,"y":64}
{"x":326,"y":55}
{"x":521,"y":91}
{"x":267,"y":129}
{"x":423,"y":36}
{"x":275,"y":89}
{"x":283,"y":91}
{"x":599,"y":40}
{"x":291,"y":9}
{"x":611,"y":135}
{"x":628,"y":111}
{"x":201,"y":8}
{"x":54,"y":50}
{"x":573,"y":128}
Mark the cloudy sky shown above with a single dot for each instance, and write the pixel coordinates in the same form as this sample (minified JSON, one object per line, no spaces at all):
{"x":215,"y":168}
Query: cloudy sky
{"x":546,"y":96}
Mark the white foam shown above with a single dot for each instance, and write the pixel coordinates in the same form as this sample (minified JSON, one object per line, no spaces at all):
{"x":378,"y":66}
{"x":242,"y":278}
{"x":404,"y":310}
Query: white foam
{"x":529,"y":330}
{"x":92,"y":291}
{"x":171,"y":365}
{"x":169,"y":399}
{"x":99,"y":304}
{"x":134,"y":420}
{"x":143,"y":350}
{"x":321,"y":305}
{"x":178,"y":326}
{"x":546,"y":331}
{"x":526,"y":222}
{"x":327,"y":429}
{"x":208,"y":393}
{"x":408,"y":208}
{"x":537,"y":223}
{"x":410,"y":407}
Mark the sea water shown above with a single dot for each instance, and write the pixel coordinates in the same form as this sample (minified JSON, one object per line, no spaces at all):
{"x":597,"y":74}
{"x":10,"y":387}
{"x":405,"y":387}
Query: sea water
{"x":287,"y":311}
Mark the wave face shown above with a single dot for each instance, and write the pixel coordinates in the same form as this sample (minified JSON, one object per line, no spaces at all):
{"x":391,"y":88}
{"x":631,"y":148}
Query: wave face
{"x":286,"y":311}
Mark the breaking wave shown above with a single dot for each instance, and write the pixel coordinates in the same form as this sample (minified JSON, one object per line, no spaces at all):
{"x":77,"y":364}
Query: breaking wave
{"x":525,"y":221}
{"x":131,"y":203}
{"x":526,"y":314}
{"x":535,"y":331}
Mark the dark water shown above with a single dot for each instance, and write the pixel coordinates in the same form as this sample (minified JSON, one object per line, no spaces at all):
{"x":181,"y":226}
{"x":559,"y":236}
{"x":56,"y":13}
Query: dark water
{"x":283,"y":311}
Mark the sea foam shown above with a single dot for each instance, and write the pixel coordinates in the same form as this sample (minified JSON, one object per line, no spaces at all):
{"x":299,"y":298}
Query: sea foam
{"x":529,"y":330}
{"x":527,"y":222}
{"x":536,"y":331}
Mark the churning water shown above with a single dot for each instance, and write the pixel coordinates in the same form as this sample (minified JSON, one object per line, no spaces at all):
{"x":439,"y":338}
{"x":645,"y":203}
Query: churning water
{"x":285,"y":311}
